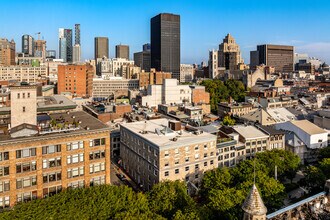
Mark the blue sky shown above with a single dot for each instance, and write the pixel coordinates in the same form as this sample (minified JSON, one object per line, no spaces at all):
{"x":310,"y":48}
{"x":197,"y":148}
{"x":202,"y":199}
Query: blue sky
{"x":302,"y":23}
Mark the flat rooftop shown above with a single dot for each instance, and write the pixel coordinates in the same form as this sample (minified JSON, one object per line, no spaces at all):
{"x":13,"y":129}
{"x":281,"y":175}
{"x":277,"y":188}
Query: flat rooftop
{"x":249,"y":132}
{"x":309,"y":127}
{"x":86,"y":123}
{"x":158,"y":133}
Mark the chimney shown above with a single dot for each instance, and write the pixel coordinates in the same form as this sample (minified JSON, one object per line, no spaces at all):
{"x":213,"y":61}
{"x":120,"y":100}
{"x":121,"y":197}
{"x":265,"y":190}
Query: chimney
{"x":174,"y":125}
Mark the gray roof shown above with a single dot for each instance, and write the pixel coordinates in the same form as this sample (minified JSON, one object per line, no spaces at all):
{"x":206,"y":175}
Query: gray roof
{"x":253,"y":203}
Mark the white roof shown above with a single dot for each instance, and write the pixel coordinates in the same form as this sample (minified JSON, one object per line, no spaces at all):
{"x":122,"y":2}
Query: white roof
{"x":159,"y":134}
{"x":249,"y":132}
{"x":281,"y":115}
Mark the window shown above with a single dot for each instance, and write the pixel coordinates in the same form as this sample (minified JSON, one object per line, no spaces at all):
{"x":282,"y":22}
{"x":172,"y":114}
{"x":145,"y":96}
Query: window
{"x":4,"y":171}
{"x":166,"y":153}
{"x":77,"y":184}
{"x":26,"y":167}
{"x":26,"y":182}
{"x":232,"y":154}
{"x":97,"y":167}
{"x":23,"y":108}
{"x":166,"y":173}
{"x":51,"y":177}
{"x":264,"y":141}
{"x":99,"y":180}
{"x":74,"y":172}
{"x":196,"y":147}
{"x":211,"y":162}
{"x":205,"y":164}
{"x":51,"y":191}
{"x":258,"y":142}
{"x":4,"y":156}
{"x":53,"y":162}
{"x":220,"y":157}
{"x":4,"y":186}
{"x":212,"y":154}
{"x":176,"y":171}
{"x":18,"y":95}
{"x":75,"y":145}
{"x":96,"y":155}
{"x":187,"y":159}
{"x":28,"y":196}
{"x":51,"y":149}
{"x":205,"y":155}
{"x":166,"y":164}
{"x":196,"y":166}
{"x":28,"y":95}
{"x":26,"y":153}
{"x":196,"y":176}
{"x":187,"y":168}
{"x":97,"y":142}
{"x":4,"y":202}
{"x":176,"y":161}
{"x":75,"y":158}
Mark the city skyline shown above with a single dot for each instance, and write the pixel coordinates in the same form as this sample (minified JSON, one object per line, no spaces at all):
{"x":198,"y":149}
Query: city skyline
{"x":202,"y":26}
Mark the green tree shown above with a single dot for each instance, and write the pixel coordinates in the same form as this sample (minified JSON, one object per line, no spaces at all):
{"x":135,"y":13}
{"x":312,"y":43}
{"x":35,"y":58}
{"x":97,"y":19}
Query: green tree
{"x":227,"y":120}
{"x":325,"y":167}
{"x":325,"y":152}
{"x":166,"y":198}
{"x":314,"y":179}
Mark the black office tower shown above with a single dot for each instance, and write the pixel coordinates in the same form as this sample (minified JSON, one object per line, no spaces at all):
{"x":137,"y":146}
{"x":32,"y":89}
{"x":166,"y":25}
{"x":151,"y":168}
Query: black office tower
{"x":165,"y":43}
{"x":68,"y":37}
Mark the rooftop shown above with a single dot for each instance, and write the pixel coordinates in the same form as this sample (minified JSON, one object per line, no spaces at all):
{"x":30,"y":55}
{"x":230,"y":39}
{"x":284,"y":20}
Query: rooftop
{"x":249,"y":132}
{"x":308,"y":127}
{"x":74,"y":122}
{"x":158,"y":133}
{"x":270,"y":130}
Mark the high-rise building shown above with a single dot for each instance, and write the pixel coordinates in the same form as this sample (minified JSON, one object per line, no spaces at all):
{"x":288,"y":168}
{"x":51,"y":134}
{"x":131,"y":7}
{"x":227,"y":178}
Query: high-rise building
{"x":28,"y":45}
{"x":229,"y":53}
{"x":165,"y":43}
{"x":213,"y":64}
{"x":142,"y":59}
{"x":77,"y":34}
{"x":62,"y":45}
{"x":76,"y":53}
{"x":68,"y":37}
{"x":40,"y":48}
{"x":65,"y":44}
{"x":101,"y":47}
{"x":146,"y":47}
{"x":278,"y":56}
{"x":7,"y":52}
{"x":122,"y":51}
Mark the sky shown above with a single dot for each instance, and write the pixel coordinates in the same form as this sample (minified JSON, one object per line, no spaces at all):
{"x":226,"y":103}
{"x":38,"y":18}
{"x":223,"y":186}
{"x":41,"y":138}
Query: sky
{"x":301,"y":23}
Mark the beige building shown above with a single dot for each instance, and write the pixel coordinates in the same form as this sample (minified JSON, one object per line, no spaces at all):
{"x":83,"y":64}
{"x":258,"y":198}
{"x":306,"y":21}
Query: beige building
{"x":23,"y":73}
{"x":186,"y":73}
{"x":7,"y":52}
{"x":50,"y":152}
{"x":229,"y":54}
{"x":157,"y":150}
{"x":234,"y":109}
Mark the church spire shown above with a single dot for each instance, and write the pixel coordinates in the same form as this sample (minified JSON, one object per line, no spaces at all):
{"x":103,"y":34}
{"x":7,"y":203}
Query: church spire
{"x":253,"y":206}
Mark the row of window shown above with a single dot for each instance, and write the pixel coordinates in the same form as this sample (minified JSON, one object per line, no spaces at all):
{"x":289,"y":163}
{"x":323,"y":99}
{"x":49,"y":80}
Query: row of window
{"x":26,"y":182}
{"x":187,"y":168}
{"x":254,"y":143}
{"x":176,"y":151}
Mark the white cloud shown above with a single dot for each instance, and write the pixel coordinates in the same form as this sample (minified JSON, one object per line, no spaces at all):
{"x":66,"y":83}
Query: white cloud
{"x":317,"y":49}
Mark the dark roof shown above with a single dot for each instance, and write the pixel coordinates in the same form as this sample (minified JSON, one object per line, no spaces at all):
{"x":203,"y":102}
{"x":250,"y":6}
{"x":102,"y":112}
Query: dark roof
{"x":269,"y":130}
{"x":43,"y":117}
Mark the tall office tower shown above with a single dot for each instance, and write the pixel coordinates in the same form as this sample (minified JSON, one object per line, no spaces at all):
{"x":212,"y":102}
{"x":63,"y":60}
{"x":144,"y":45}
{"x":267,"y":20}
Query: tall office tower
{"x":278,"y":56}
{"x":76,"y":53}
{"x":165,"y":43}
{"x":101,"y":47}
{"x":213,"y":64}
{"x":77,"y":34}
{"x":7,"y":52}
{"x":62,"y":45}
{"x":142,"y":59}
{"x":51,"y":54}
{"x":122,"y":51}
{"x":28,"y":45}
{"x":229,"y":53}
{"x":40,"y":48}
{"x":68,"y":37}
{"x":146,"y":47}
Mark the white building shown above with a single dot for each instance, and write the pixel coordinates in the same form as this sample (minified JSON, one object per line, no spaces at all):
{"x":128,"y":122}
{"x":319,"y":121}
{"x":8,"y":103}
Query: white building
{"x":313,"y":136}
{"x":23,"y":73}
{"x":213,"y":64}
{"x":169,"y":92}
{"x":112,"y":67}
{"x":76,"y":53}
{"x":186,"y":73}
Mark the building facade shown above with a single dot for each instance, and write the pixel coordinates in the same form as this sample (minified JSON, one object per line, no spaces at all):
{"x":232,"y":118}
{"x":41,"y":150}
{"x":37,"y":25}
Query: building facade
{"x":186,"y":73}
{"x":142,"y":59}
{"x":229,"y":54}
{"x":113,"y":86}
{"x":122,"y":51}
{"x":23,"y":73}
{"x":165,"y":43}
{"x":7,"y":52}
{"x":101,"y":47}
{"x":28,"y":45}
{"x":76,"y":79}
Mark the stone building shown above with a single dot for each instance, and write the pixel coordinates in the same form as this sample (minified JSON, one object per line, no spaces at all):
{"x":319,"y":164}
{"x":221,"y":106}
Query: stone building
{"x":229,"y":54}
{"x":7,"y":52}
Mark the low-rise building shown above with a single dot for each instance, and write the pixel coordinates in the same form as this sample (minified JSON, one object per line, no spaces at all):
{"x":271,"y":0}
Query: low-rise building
{"x":160,"y":149}
{"x":233,"y":109}
{"x":23,"y":73}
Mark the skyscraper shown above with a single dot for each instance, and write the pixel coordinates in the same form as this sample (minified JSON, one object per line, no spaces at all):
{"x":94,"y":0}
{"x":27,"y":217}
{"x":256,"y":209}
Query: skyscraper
{"x":40,"y":48}
{"x":101,"y":47}
{"x":76,"y":53}
{"x":62,"y":45}
{"x":77,"y":34}
{"x":146,"y":47}
{"x":122,"y":51}
{"x":278,"y":56}
{"x":7,"y":52}
{"x":165,"y":43}
{"x":229,"y":53}
{"x":28,"y":45}
{"x":68,"y":37}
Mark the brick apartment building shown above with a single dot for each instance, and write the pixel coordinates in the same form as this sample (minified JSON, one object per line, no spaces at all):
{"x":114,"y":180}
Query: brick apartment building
{"x":76,"y":79}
